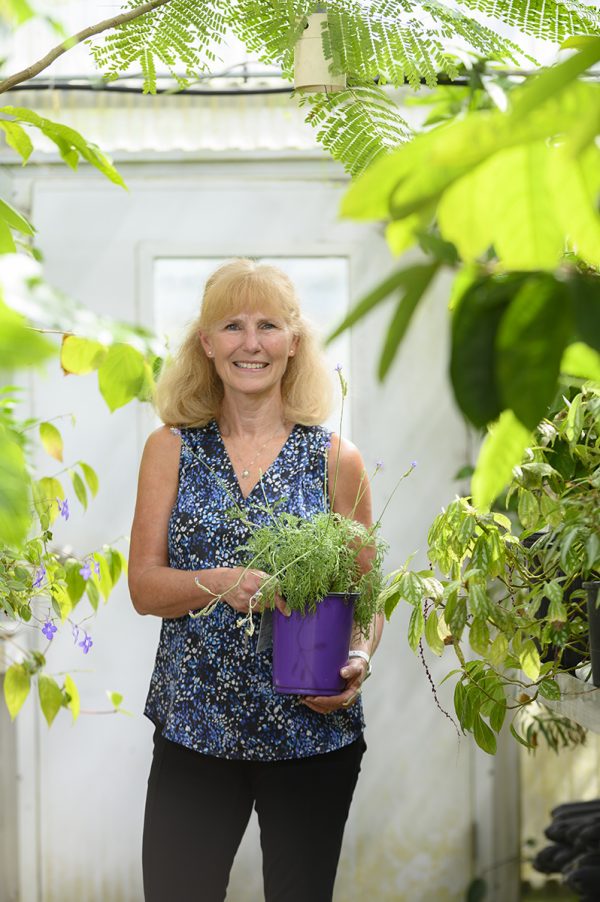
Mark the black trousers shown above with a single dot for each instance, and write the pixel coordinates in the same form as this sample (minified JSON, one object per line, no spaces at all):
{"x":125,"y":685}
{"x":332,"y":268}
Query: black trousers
{"x":198,"y":807}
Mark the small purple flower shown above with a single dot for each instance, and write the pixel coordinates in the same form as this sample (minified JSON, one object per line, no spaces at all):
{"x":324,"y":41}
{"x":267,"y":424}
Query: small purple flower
{"x":338,"y":367}
{"x":379,"y":464}
{"x":48,"y":629}
{"x":86,"y":643}
{"x":96,"y":566}
{"x":75,"y":632}
{"x":63,"y":507}
{"x":40,"y":573}
{"x":86,"y":570}
{"x":413,"y":463}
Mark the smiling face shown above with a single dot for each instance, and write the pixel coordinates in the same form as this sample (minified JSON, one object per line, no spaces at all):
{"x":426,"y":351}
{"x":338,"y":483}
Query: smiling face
{"x":250,"y":350}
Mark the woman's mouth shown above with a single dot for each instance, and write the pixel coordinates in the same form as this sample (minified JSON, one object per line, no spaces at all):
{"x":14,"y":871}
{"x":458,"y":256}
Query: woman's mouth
{"x":245,"y":365}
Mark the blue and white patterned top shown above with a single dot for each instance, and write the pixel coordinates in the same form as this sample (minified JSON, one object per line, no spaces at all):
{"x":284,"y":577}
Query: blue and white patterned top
{"x":211,"y":690}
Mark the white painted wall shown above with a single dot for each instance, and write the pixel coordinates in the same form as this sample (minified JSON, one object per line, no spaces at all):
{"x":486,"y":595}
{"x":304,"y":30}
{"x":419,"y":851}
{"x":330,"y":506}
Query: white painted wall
{"x":82,"y":788}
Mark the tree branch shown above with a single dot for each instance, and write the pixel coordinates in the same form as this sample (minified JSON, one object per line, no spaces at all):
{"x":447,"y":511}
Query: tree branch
{"x":89,"y":32}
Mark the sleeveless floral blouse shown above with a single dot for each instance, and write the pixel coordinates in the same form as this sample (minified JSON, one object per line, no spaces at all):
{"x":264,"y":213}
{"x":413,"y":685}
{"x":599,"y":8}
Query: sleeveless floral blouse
{"x":211,"y":690}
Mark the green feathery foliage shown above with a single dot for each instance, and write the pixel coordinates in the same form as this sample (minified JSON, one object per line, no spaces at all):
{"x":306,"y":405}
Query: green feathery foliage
{"x":182,"y":32}
{"x":552,"y":20}
{"x":308,"y":559}
{"x":271,"y":29}
{"x":356,"y":126}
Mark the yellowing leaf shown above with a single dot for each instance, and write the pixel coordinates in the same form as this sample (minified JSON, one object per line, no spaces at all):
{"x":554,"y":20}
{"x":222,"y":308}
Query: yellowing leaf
{"x":121,"y":375}
{"x":51,"y":697}
{"x":16,"y":688}
{"x":51,"y":440}
{"x":81,"y":355}
{"x":502,"y":450}
{"x":73,"y":704}
{"x":529,"y":659}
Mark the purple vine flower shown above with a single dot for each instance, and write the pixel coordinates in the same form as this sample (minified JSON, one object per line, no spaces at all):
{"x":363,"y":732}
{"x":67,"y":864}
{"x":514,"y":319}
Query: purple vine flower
{"x":86,"y":570}
{"x":379,"y":464}
{"x":40,"y":573}
{"x":338,"y":367}
{"x":413,"y":463}
{"x":63,"y":507}
{"x":48,"y":629}
{"x":86,"y":643}
{"x":96,"y":567}
{"x":75,"y":632}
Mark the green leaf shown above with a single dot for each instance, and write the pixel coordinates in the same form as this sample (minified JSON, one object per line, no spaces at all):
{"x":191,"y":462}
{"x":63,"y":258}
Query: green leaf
{"x":14,"y":219}
{"x":61,"y":601}
{"x":115,"y":698}
{"x":575,"y":199}
{"x":519,"y":738}
{"x":465,"y":215}
{"x":484,"y":737}
{"x":20,"y":345}
{"x":557,"y":612}
{"x":497,"y":715}
{"x":73,"y":704}
{"x":554,"y":591}
{"x":528,"y":509}
{"x":92,"y":593}
{"x":51,"y":697}
{"x":501,"y":451}
{"x":121,"y":375}
{"x":90,"y":477}
{"x":477,"y":890}
{"x":104,"y":580}
{"x":592,"y":552}
{"x":581,"y":361}
{"x":81,"y":355}
{"x":479,"y":636}
{"x":15,"y":515}
{"x":585,"y":291}
{"x":116,"y":563}
{"x":75,"y":581}
{"x":69,"y":142}
{"x":529,"y":659}
{"x":7,"y":242}
{"x":79,"y":488}
{"x":474,"y":326}
{"x":432,"y":635}
{"x":45,"y":492}
{"x":415,"y":627}
{"x":16,"y":688}
{"x":537,"y":91}
{"x":549,"y":689}
{"x":574,"y":421}
{"x":51,"y":440}
{"x":402,"y":279}
{"x":415,"y":287}
{"x":498,"y":650}
{"x":17,"y":138}
{"x":531,"y":339}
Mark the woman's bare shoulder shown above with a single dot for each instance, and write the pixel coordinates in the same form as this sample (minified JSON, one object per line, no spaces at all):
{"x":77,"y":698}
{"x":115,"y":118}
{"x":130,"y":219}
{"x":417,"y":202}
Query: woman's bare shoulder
{"x":351,"y":460}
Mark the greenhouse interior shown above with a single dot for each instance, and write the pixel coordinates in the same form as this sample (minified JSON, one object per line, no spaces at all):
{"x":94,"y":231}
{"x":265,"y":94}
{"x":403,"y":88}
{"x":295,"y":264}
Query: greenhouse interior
{"x":261,"y":263}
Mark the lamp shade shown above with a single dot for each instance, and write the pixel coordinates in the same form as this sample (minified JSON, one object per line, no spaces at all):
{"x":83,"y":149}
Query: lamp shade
{"x":311,"y":67}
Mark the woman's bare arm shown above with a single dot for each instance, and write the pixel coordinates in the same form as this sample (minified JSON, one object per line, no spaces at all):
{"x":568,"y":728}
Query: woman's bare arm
{"x":156,"y":588}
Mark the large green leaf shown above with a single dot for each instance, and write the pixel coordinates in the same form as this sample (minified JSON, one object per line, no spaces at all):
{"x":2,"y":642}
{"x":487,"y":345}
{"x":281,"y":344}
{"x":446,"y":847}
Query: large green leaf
{"x":501,"y":451}
{"x":121,"y":375}
{"x":81,"y":355}
{"x":402,"y":279}
{"x":581,"y":361}
{"x":474,"y":326}
{"x":585,"y":291}
{"x":531,"y":339}
{"x":15,"y":515}
{"x":416,"y":287}
{"x":575,"y":183}
{"x":14,"y":219}
{"x":20,"y":345}
{"x":17,"y":138}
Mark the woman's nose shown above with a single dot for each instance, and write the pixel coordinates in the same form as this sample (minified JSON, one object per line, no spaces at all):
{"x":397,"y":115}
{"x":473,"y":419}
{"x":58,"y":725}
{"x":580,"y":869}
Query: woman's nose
{"x":251,"y":339}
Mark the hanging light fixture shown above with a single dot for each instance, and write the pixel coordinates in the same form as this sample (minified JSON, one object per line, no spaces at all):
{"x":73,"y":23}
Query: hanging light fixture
{"x":312,"y":73}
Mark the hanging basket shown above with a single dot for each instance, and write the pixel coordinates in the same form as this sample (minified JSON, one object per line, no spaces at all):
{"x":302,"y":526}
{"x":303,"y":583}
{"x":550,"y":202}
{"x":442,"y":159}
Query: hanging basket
{"x":310,"y":649}
{"x":311,"y":67}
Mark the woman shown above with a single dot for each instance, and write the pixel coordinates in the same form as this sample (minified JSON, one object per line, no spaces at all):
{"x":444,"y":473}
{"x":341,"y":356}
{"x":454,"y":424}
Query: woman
{"x":243,"y":399}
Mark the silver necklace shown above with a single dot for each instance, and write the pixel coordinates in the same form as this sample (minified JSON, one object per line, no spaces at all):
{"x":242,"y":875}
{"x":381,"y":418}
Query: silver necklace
{"x":245,"y":473}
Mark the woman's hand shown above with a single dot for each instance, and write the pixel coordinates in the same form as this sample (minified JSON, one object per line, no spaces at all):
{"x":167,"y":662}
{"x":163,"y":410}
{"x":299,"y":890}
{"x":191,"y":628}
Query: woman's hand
{"x":245,"y":591}
{"x":354,"y":672}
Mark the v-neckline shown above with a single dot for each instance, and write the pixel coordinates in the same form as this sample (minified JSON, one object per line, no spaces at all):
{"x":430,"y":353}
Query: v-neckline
{"x":232,"y":468}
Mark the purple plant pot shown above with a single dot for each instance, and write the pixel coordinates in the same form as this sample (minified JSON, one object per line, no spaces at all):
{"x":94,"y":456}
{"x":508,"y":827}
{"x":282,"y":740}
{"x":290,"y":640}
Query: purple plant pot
{"x":309,"y":650}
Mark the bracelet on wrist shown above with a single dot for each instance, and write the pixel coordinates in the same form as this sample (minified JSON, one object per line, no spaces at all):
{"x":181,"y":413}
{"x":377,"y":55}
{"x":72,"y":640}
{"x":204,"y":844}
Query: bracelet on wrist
{"x":359,"y":653}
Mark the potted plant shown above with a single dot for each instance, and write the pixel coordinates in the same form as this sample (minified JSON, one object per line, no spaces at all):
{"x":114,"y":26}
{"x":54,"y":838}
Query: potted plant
{"x":508,"y":607}
{"x":329,"y":570}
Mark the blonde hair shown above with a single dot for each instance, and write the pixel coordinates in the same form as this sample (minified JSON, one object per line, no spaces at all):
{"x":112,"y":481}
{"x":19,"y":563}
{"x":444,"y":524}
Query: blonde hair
{"x":189,"y":392}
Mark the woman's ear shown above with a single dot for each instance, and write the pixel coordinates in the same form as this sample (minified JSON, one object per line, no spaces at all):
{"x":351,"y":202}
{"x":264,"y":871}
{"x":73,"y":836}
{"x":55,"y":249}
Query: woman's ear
{"x":294,"y":345}
{"x":206,"y":343}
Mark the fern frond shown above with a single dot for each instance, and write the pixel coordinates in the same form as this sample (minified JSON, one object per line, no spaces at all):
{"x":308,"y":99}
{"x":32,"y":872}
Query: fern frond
{"x":357,"y":125}
{"x":451,"y":24}
{"x":175,"y":35}
{"x":552,"y":20}
{"x":271,"y":29}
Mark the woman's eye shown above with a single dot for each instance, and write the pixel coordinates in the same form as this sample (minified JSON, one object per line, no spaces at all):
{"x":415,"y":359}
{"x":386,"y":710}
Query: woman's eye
{"x":268,"y":326}
{"x":231,"y":326}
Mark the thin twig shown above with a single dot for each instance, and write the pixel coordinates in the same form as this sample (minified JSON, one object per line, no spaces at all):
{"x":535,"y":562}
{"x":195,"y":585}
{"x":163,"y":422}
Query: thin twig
{"x":90,"y":31}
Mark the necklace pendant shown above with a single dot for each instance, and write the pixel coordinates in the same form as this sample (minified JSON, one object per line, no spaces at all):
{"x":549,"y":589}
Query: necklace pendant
{"x":245,"y":473}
